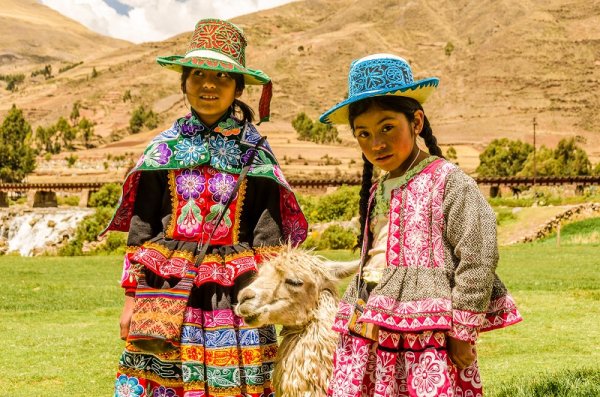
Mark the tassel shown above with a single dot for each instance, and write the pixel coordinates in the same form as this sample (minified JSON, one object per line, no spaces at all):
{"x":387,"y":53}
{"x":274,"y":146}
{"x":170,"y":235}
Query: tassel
{"x":264,"y":105}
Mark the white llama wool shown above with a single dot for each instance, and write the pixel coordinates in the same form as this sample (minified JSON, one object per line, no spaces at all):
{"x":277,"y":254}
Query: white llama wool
{"x":298,"y":290}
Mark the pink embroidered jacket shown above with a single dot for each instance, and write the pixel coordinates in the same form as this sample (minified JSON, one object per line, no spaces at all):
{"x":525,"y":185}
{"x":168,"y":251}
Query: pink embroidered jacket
{"x":441,"y":259}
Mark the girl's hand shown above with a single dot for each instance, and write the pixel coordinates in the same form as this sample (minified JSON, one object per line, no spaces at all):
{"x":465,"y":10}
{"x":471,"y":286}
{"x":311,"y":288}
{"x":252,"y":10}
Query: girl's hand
{"x":462,"y":353}
{"x":126,"y":315}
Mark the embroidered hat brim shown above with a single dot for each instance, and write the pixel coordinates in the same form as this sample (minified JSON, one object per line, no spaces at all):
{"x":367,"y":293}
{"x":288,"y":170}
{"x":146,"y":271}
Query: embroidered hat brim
{"x":379,"y":75}
{"x":177,"y":62}
{"x":420,"y":91}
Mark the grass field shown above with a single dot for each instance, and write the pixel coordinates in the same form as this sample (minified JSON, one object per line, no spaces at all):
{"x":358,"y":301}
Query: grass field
{"x":59,"y":328}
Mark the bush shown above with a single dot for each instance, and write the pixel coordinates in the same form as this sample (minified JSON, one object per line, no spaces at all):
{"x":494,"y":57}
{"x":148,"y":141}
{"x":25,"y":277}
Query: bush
{"x":142,"y":117}
{"x":107,"y":196}
{"x":503,"y":157}
{"x":504,"y":215}
{"x":341,"y":205}
{"x":71,"y":160}
{"x":337,"y":237}
{"x":46,"y":72}
{"x":72,"y":201}
{"x":68,"y":67}
{"x":315,"y":132}
{"x":87,"y":230}
{"x":12,"y":80}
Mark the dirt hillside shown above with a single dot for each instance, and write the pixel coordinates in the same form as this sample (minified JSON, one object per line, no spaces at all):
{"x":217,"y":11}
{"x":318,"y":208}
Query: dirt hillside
{"x":500,"y":65}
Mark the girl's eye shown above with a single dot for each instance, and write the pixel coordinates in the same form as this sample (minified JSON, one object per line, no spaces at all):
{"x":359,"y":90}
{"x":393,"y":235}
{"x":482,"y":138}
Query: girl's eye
{"x":387,"y":128}
{"x":362,"y":134}
{"x":222,"y":75}
{"x":197,"y":72}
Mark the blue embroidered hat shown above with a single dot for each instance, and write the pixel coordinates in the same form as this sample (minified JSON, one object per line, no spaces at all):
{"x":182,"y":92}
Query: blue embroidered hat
{"x":378,"y":75}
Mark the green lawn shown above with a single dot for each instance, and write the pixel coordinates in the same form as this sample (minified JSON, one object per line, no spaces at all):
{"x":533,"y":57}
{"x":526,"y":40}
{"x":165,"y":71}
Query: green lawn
{"x":59,"y":328}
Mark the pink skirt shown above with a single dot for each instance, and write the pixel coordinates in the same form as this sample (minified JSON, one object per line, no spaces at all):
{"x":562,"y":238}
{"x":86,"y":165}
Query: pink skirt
{"x":400,"y":365}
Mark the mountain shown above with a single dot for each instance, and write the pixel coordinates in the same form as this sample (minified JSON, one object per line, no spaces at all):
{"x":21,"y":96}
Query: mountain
{"x":501,"y":63}
{"x":32,"y":34}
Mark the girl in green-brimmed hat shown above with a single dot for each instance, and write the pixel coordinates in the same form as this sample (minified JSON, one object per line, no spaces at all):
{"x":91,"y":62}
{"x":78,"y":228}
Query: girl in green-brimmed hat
{"x":182,"y":182}
{"x":427,"y":286}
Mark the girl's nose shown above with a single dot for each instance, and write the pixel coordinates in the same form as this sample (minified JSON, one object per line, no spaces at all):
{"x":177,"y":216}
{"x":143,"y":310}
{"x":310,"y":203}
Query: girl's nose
{"x":378,"y":143}
{"x":208,"y":83}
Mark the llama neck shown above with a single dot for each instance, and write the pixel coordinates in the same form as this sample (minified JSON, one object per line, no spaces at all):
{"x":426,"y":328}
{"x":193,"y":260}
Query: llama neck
{"x":305,"y":354}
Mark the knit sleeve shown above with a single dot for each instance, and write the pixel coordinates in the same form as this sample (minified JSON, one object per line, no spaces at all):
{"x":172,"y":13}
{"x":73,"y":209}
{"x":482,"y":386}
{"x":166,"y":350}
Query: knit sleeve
{"x":145,"y":222}
{"x":471,"y":232}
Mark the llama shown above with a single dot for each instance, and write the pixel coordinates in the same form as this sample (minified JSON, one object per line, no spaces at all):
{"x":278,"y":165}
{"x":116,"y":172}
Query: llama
{"x":298,"y":290}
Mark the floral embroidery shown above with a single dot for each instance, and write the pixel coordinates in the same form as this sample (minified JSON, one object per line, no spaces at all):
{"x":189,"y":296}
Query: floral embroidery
{"x":188,"y":222}
{"x":383,"y":74}
{"x":228,"y":127}
{"x":190,"y":151}
{"x":128,"y":387}
{"x":169,"y":134}
{"x":190,"y":184}
{"x":190,"y":126}
{"x":428,"y":373}
{"x":224,"y":153}
{"x":246,"y":158}
{"x":221,"y":187}
{"x":162,"y":391}
{"x":158,"y":155}
{"x":224,"y":226}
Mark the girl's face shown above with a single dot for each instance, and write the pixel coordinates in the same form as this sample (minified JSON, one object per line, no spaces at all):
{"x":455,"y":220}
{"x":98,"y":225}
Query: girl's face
{"x":210,"y":93}
{"x":387,"y":138}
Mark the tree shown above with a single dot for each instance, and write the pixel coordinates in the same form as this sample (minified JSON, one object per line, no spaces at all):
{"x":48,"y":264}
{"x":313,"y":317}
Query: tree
{"x":86,"y":130}
{"x":503,"y":157}
{"x":17,"y":158}
{"x":303,"y":126}
{"x":572,"y":159}
{"x":140,"y":117}
{"x":451,"y":155}
{"x":66,"y":132}
{"x":74,"y":117}
{"x":314,"y":131}
{"x":567,"y":159}
{"x":107,"y":196}
{"x":71,"y":160}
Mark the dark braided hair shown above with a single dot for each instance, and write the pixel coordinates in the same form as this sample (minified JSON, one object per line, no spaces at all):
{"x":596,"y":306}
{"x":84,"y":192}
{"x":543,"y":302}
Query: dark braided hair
{"x":237,"y":105}
{"x":404,"y":105}
{"x":365,"y":189}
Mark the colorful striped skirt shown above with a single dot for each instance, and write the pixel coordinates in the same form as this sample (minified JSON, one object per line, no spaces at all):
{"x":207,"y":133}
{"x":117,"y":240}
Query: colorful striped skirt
{"x":219,"y":355}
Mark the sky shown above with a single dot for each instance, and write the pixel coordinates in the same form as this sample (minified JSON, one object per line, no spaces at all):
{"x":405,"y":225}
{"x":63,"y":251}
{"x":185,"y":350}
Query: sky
{"x":152,"y":20}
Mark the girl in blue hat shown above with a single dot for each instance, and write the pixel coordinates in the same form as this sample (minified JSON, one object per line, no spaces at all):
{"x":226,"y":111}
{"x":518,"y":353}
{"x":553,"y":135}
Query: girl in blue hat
{"x":183,"y":338}
{"x":427,"y":286}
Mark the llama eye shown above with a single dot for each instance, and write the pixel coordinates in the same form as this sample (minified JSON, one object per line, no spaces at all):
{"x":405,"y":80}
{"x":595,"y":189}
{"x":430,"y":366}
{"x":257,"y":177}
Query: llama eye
{"x":293,"y":282}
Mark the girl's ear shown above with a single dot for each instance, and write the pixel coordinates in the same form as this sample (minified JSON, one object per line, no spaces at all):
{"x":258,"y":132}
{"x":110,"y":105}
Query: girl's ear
{"x":419,"y":121}
{"x":238,"y":93}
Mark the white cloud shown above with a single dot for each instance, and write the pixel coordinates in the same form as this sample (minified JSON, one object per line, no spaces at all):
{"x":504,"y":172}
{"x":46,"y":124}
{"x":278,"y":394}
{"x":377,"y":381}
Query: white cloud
{"x":153,"y":20}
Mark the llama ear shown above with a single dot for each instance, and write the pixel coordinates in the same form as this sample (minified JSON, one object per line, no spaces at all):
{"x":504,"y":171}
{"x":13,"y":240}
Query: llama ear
{"x":342,"y":270}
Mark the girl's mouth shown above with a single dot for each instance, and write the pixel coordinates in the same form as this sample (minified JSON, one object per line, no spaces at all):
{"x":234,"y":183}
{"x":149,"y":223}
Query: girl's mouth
{"x":208,"y":97}
{"x":384,"y":158}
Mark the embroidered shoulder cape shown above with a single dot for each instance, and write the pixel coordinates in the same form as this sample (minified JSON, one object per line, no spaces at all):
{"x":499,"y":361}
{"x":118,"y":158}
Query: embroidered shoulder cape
{"x":226,"y":148}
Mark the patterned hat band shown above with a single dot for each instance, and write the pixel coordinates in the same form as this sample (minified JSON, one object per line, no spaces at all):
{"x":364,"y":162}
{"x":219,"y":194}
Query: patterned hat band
{"x":210,"y":54}
{"x":372,"y":74}
{"x":379,"y":75}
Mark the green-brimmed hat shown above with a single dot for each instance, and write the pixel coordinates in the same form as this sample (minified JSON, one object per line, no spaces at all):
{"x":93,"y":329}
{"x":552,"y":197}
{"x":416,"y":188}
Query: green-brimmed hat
{"x":221,"y":46}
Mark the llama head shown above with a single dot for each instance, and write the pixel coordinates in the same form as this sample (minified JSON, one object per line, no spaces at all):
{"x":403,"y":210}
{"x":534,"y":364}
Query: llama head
{"x":288,"y":287}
